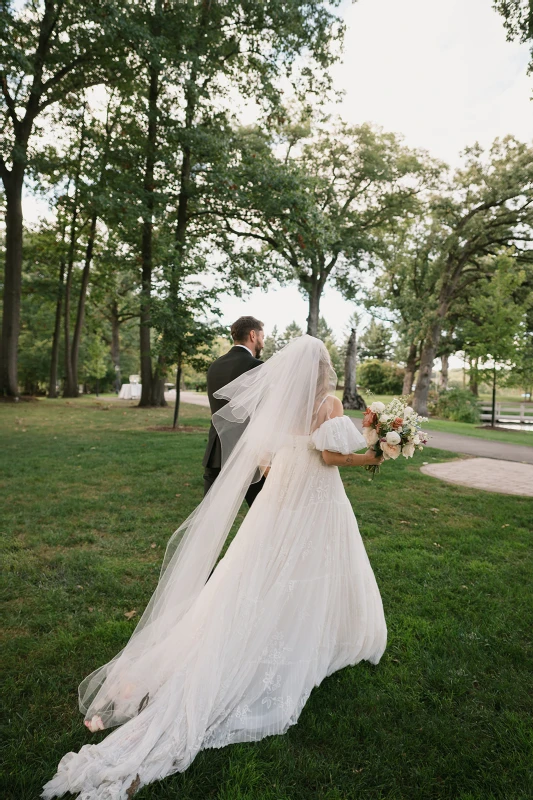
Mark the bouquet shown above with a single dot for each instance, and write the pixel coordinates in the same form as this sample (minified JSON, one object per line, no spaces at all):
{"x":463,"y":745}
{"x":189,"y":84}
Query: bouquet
{"x":393,"y":429}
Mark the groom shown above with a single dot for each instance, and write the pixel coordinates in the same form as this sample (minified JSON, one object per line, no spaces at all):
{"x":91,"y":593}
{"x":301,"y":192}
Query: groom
{"x":248,"y":340}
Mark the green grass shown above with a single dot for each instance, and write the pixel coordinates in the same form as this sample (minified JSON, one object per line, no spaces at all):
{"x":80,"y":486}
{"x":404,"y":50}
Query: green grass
{"x":91,"y":497}
{"x":466,"y":429}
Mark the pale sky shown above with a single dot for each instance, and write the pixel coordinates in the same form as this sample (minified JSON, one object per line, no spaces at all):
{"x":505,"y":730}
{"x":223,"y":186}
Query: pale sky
{"x":441,"y":74}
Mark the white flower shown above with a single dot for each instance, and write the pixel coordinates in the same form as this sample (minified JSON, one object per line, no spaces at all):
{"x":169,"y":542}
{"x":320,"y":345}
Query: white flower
{"x":370,"y":435}
{"x":408,"y":411}
{"x":408,"y":450}
{"x":393,"y":438}
{"x":377,"y":407}
{"x":416,"y":439}
{"x":390,"y":450}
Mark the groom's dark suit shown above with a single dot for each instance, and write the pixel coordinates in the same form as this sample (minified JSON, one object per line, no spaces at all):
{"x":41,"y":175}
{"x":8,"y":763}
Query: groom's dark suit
{"x":222,"y":371}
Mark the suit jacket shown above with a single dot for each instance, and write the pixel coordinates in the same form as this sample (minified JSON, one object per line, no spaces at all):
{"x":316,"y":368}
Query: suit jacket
{"x":222,"y":371}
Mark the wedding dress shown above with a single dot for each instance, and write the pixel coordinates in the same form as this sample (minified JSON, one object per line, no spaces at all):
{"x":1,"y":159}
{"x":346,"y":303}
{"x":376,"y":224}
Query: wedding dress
{"x":293,"y":599}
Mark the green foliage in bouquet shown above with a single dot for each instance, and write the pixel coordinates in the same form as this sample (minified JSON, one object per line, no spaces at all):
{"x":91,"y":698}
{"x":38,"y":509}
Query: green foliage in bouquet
{"x":380,"y":377}
{"x":458,"y":405}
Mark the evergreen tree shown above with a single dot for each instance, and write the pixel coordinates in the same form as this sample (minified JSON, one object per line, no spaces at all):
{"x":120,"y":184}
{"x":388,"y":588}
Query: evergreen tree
{"x":272,"y":344}
{"x":291,"y":332}
{"x":326,"y":334}
{"x":376,"y":342}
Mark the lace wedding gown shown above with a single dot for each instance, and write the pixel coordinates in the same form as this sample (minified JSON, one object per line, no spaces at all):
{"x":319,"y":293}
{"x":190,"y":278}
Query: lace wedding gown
{"x":293,"y":600}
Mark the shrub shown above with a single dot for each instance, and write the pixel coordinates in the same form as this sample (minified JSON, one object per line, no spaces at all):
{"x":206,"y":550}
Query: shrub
{"x":380,"y":377}
{"x":458,"y":405}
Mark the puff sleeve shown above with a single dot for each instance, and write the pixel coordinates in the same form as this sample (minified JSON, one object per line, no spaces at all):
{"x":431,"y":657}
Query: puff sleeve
{"x":339,"y":435}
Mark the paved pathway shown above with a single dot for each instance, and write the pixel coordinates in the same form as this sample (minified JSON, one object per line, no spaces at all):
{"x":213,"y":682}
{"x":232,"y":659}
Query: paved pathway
{"x":487,"y":448}
{"x":189,"y":397}
{"x":489,"y":474}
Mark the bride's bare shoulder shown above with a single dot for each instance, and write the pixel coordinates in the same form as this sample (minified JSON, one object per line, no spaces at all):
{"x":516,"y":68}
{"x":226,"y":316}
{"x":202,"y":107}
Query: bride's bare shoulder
{"x":336,"y":407}
{"x":331,"y":408}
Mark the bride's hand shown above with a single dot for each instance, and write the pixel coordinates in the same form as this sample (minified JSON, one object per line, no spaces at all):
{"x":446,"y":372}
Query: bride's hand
{"x":372,"y":459}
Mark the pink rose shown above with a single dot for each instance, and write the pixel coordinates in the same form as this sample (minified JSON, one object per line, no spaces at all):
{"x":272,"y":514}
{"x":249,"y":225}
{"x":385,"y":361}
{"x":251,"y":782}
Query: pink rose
{"x":369,"y":419}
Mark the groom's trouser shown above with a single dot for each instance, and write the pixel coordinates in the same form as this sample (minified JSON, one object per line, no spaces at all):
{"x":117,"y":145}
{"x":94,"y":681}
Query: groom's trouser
{"x":212,"y":473}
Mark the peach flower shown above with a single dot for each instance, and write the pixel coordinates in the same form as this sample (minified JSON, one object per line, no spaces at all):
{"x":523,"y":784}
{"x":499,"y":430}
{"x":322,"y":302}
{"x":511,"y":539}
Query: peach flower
{"x":390,"y":450}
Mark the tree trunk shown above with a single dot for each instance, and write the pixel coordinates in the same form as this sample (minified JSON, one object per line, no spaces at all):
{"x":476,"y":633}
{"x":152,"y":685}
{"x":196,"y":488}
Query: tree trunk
{"x":70,"y":388}
{"x":315,"y":290}
{"x":473,"y":382}
{"x":54,"y":360}
{"x":12,"y":284}
{"x":351,"y":398}
{"x":427,"y":357}
{"x":115,"y":343}
{"x":410,"y":369}
{"x":157,"y":397}
{"x":147,"y":378}
{"x":75,"y":350}
{"x":177,"y":403}
{"x":443,"y":385}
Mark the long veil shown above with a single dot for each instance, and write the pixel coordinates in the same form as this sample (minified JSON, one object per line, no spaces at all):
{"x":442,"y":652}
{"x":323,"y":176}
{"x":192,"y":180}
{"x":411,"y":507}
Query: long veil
{"x":275,"y":400}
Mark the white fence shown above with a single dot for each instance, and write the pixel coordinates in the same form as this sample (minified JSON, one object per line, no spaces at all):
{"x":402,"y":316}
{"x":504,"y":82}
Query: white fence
{"x":509,"y":413}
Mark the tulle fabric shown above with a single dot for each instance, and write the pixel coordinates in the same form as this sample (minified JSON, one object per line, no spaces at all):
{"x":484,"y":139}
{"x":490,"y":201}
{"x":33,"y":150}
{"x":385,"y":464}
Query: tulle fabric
{"x":293,"y":600}
{"x":279,"y":398}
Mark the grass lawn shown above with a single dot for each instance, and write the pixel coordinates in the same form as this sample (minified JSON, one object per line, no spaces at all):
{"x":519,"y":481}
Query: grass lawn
{"x":466,"y":429}
{"x":91,"y":495}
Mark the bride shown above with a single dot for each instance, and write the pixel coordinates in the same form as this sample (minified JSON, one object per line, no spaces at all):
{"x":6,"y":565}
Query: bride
{"x":234,"y":658}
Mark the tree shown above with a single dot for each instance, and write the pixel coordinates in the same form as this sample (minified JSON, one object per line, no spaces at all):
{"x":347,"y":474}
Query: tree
{"x":493,"y":329}
{"x":521,"y":372}
{"x":488,"y":207}
{"x":190,"y":69}
{"x":51,"y":51}
{"x":95,"y":363}
{"x":325,"y":333}
{"x":382,"y":377}
{"x":37,"y":307}
{"x":313,"y":214}
{"x":272,"y":344}
{"x":351,"y":398}
{"x":291,"y":332}
{"x":376,"y":342}
{"x":183,"y":337}
{"x":407,"y":274}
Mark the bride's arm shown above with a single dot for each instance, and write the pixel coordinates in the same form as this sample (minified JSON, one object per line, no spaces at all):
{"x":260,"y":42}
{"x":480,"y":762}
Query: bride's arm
{"x":351,"y":459}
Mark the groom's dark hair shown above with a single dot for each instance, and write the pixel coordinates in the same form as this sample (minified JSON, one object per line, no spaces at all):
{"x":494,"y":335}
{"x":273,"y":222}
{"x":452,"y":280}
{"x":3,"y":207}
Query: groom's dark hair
{"x":241,"y":328}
